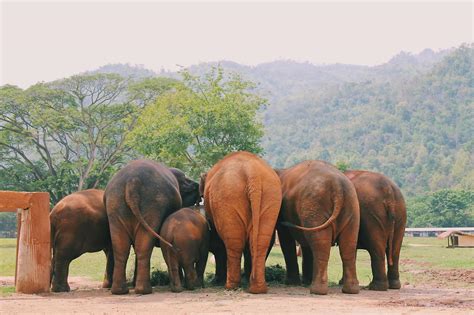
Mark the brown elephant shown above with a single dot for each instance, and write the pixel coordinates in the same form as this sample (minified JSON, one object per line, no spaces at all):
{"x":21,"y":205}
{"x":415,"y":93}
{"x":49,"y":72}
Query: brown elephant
{"x":138,"y":199}
{"x":242,"y":197}
{"x":319,"y":209}
{"x":187,"y":230}
{"x":382,"y":225}
{"x":79,"y":225}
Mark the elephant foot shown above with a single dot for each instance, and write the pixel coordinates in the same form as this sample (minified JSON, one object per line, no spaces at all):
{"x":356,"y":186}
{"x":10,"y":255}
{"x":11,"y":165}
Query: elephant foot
{"x":306,"y":281}
{"x":119,"y":289}
{"x":107,"y":284}
{"x":293,"y":280}
{"x":351,"y":287}
{"x":394,"y":284}
{"x":176,"y":289}
{"x":60,"y":288}
{"x":378,"y":285}
{"x":258,"y":288}
{"x":320,"y":289}
{"x":218,"y":281}
{"x":143,"y":289}
{"x":232,"y":285}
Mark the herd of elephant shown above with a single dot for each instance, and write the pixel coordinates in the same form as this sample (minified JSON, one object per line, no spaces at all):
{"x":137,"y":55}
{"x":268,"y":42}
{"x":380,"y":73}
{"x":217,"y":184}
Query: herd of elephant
{"x":147,"y":204}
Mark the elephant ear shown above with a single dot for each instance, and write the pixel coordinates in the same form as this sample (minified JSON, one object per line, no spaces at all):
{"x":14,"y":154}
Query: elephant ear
{"x":202,"y":183}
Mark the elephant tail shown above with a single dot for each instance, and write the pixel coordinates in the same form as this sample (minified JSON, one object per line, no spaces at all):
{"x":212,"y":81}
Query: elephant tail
{"x":132,"y":198}
{"x":255,"y":197}
{"x":390,"y":208}
{"x":338,"y":202}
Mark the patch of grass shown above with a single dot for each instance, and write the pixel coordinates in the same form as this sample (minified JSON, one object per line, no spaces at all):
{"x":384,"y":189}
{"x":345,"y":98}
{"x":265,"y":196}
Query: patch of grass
{"x":6,"y":291}
{"x":159,"y":277}
{"x":275,"y":274}
{"x":423,"y":252}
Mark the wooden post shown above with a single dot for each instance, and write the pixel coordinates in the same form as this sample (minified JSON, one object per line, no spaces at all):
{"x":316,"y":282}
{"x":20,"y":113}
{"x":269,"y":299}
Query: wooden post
{"x":33,"y":266}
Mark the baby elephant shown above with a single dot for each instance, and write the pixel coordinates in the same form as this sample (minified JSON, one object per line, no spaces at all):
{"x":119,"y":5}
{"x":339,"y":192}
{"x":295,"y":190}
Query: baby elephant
{"x":187,"y":230}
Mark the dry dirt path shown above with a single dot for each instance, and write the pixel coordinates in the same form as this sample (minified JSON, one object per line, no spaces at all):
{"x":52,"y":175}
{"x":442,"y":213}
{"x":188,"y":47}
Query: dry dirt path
{"x":86,"y":298}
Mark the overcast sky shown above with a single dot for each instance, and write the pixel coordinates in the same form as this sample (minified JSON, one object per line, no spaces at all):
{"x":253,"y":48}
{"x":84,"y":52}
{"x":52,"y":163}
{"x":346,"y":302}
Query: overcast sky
{"x":47,"y":41}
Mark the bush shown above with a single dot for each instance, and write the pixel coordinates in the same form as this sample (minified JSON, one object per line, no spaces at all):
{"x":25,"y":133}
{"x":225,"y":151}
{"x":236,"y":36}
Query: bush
{"x":159,"y":277}
{"x":275,"y":274}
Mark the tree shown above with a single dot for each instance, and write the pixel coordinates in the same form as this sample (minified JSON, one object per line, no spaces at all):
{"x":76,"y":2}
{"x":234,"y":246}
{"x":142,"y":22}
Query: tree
{"x":201,"y":121}
{"x":444,"y":208}
{"x":70,"y":134}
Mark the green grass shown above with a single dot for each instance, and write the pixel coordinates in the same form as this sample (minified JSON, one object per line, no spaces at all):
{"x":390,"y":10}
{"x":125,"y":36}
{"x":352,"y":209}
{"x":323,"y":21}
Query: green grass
{"x":420,"y":252}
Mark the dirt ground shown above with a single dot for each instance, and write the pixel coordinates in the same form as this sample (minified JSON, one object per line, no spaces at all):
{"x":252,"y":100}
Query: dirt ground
{"x":87,"y":297}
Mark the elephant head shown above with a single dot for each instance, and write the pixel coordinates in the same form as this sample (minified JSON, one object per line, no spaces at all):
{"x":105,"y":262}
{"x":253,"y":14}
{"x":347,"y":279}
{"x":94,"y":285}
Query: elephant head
{"x":188,"y":188}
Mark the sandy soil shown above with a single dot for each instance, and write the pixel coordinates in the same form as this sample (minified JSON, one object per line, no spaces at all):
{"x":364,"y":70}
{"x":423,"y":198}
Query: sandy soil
{"x":87,"y":297}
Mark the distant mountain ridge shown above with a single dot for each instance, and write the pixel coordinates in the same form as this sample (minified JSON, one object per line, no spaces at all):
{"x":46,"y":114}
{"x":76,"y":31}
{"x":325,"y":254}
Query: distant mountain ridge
{"x":411,"y":118}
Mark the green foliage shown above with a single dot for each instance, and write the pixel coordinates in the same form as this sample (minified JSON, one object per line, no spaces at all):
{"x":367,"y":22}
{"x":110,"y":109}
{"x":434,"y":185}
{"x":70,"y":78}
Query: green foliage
{"x":342,"y":166}
{"x":159,"y":277}
{"x":7,"y":224}
{"x":444,"y":208}
{"x":275,"y":274}
{"x":69,"y":134}
{"x":416,"y":125}
{"x":199,"y":122}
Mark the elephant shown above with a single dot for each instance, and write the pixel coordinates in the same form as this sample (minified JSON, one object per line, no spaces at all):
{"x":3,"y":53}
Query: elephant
{"x":319,"y":209}
{"x":79,"y":225}
{"x":138,"y":199}
{"x":242,"y":197}
{"x":382,"y":225}
{"x":188,"y":231}
{"x":217,"y":247}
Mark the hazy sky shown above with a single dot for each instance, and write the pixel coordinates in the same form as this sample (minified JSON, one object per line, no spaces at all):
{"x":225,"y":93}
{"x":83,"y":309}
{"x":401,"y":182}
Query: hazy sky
{"x":46,"y":41}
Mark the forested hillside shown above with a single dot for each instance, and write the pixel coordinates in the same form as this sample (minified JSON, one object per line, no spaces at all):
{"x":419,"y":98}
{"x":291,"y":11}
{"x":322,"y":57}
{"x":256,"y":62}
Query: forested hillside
{"x":411,"y":118}
{"x":418,"y":129}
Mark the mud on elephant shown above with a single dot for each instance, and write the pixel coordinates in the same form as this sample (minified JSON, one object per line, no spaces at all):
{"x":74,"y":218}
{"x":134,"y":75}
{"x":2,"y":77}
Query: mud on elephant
{"x":242,"y":197}
{"x":382,"y":225}
{"x":138,"y":199}
{"x":319,"y":209}
{"x":79,"y":225}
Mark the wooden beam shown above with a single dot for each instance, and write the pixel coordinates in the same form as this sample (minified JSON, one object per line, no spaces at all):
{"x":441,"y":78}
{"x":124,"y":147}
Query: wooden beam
{"x":12,"y":200}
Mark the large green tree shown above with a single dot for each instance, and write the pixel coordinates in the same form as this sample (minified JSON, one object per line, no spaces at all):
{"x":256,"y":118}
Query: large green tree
{"x":200,"y":121}
{"x":69,"y":134}
{"x":444,"y":208}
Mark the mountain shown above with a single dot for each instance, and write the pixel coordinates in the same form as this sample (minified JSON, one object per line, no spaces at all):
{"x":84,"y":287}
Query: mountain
{"x":411,"y":118}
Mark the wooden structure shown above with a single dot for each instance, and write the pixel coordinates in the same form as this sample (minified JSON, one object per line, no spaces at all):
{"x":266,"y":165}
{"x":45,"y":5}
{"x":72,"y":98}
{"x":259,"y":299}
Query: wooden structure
{"x":458,"y":239}
{"x":435,"y":231}
{"x":33,"y":248}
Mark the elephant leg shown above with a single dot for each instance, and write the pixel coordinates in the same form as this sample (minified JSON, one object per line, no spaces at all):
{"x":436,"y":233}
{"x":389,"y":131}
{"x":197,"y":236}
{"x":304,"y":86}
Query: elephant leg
{"x":144,"y":243}
{"x":60,"y":274}
{"x":173,"y":270}
{"x":377,"y":260}
{"x":109,"y":269}
{"x":288,"y":247}
{"x":121,"y":250}
{"x":234,"y":248}
{"x":190,"y":276}
{"x":320,"y":244}
{"x":247,"y":264}
{"x":307,"y":265}
{"x":393,"y":273}
{"x":348,"y":251}
{"x":201,"y":267}
{"x":221,"y":268}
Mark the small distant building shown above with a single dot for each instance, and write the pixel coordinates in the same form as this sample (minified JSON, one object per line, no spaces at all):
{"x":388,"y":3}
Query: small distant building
{"x":458,"y":239}
{"x":435,"y":231}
